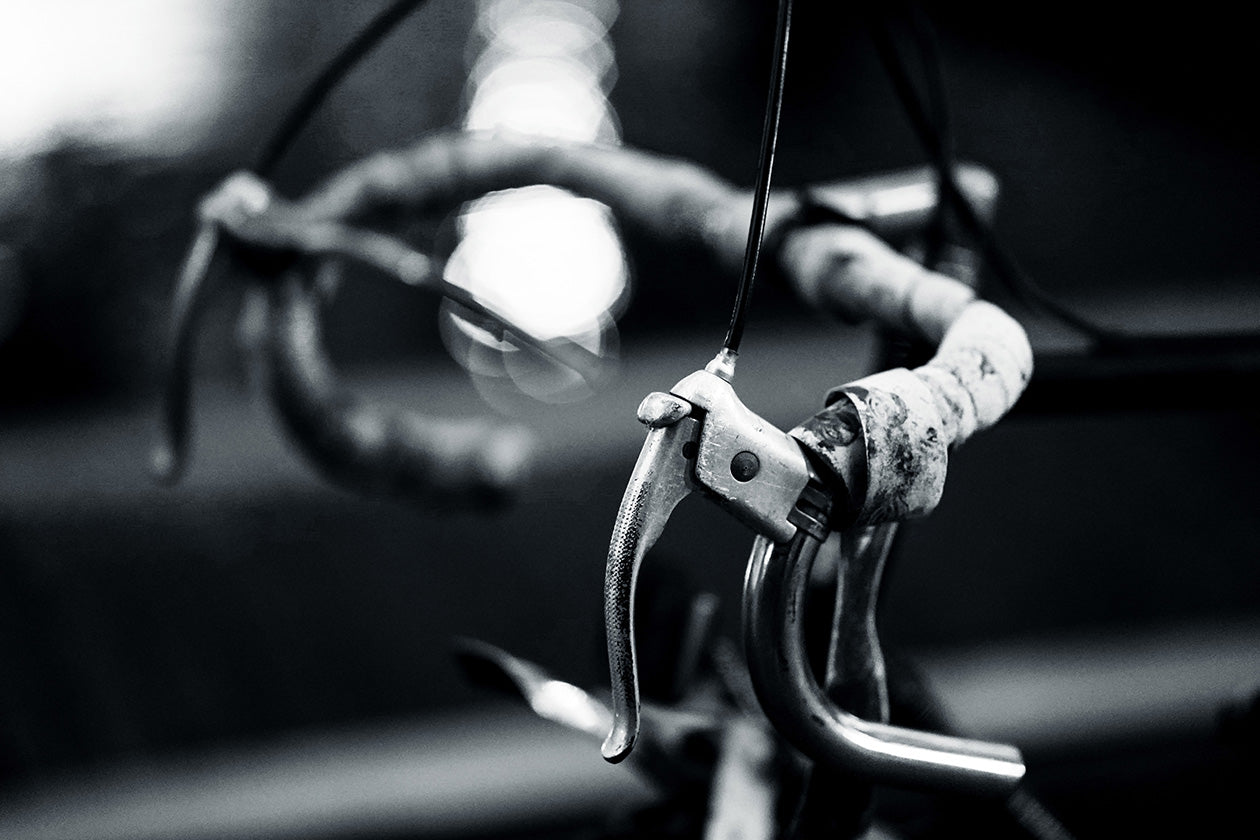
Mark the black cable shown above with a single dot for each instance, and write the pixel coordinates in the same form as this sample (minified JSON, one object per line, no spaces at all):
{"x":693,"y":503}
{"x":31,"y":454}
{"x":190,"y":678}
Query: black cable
{"x":942,"y":122}
{"x":1000,"y":259}
{"x":351,"y":54}
{"x":769,"y":140}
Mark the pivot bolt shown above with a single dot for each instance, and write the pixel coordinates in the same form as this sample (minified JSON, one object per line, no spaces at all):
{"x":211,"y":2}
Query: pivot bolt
{"x":744,"y":466}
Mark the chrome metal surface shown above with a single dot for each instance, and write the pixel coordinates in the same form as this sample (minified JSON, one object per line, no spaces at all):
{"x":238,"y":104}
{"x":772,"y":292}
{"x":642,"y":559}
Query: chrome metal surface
{"x":765,"y":501}
{"x":774,"y":593}
{"x":661,"y":479}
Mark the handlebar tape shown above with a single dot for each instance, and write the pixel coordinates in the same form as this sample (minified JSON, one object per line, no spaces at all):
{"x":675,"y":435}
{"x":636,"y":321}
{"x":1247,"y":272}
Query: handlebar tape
{"x":372,"y":448}
{"x":671,"y":200}
{"x":906,"y":420}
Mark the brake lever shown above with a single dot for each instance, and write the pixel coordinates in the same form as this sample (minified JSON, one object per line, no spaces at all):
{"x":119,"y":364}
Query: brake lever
{"x":702,"y":438}
{"x":371,"y":448}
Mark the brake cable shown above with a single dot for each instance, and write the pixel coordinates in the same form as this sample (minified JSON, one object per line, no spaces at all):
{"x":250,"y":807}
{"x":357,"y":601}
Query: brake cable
{"x":355,"y":50}
{"x":761,"y":193}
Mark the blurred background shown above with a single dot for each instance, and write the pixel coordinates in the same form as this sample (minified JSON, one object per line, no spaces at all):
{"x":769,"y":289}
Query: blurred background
{"x":256,"y":653}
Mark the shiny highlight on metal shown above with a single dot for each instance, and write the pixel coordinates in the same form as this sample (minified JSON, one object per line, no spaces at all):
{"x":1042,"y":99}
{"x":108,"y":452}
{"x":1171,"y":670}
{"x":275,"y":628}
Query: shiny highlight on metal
{"x":774,"y":599}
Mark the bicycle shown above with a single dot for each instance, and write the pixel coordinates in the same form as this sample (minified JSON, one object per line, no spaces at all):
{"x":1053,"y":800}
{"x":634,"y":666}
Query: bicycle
{"x":408,"y":459}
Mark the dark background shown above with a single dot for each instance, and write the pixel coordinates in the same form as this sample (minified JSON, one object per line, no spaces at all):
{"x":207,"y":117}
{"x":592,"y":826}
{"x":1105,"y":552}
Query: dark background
{"x":254,"y":601}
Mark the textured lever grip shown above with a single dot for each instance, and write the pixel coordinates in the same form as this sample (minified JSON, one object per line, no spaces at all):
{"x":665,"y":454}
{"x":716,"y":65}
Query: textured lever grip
{"x":625,"y":555}
{"x":659,"y":482}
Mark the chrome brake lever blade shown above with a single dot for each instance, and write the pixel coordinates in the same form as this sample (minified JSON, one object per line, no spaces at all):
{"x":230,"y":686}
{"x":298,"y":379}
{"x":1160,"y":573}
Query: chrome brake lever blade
{"x":661,"y":479}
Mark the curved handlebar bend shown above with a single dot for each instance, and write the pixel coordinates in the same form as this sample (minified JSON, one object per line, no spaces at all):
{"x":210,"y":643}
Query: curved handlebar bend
{"x":774,"y":606}
{"x":372,"y":448}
